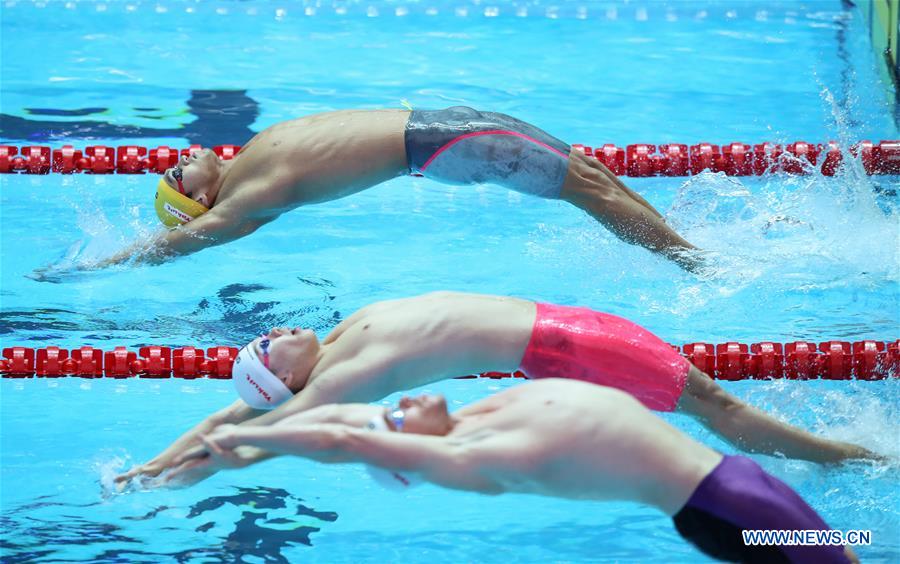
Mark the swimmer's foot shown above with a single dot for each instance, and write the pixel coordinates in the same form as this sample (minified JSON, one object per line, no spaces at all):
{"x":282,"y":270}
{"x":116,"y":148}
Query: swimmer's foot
{"x":839,"y":452}
{"x":695,"y":261}
{"x":715,"y":267}
{"x":856,"y":452}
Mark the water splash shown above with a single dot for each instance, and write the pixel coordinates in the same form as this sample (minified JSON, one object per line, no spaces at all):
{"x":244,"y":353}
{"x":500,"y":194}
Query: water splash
{"x":107,"y":469}
{"x":791,"y":234}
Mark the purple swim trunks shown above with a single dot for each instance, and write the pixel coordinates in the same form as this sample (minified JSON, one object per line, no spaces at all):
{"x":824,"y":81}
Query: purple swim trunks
{"x":738,"y":495}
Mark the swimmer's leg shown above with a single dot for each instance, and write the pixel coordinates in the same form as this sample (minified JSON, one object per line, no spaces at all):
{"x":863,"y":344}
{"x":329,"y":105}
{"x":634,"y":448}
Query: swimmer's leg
{"x":634,"y":195}
{"x":464,"y":146}
{"x":593,"y":188}
{"x":755,"y":431}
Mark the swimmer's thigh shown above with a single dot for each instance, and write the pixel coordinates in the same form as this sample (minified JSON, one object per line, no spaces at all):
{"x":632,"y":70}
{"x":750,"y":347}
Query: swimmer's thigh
{"x":464,"y":146}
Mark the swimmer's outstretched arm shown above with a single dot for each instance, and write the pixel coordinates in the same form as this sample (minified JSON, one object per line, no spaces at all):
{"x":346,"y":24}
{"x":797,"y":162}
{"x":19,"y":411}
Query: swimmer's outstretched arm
{"x":235,"y":413}
{"x":211,"y":229}
{"x":191,"y":461}
{"x":208,"y":230}
{"x":306,"y":406}
{"x":435,"y":458}
{"x":756,"y":431}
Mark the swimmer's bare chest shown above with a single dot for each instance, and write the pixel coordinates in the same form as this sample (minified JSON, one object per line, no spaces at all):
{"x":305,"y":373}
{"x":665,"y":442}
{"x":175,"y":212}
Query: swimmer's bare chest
{"x":444,"y":336}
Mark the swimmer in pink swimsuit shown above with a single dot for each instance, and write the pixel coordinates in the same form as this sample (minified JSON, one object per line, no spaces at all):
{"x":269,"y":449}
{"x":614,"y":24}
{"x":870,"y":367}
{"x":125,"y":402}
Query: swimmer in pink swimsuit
{"x":403,"y":344}
{"x":583,"y":344}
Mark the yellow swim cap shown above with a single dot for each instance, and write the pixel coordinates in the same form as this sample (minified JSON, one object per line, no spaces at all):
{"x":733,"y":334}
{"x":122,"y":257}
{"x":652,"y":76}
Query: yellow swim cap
{"x":174,"y":208}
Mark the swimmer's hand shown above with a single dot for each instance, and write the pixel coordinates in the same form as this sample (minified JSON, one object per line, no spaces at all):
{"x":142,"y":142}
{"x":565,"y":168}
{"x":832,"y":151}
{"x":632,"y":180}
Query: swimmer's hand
{"x":76,"y":262}
{"x":70,"y":270}
{"x":223,"y":449}
{"x":220,"y":450}
{"x":149,"y":470}
{"x":145,"y":477}
{"x":56,"y":274}
{"x":219,"y":439}
{"x":43,"y":274}
{"x":71,"y":263}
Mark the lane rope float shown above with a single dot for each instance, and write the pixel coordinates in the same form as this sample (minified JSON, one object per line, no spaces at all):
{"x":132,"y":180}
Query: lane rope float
{"x":797,"y":360}
{"x":637,"y":160}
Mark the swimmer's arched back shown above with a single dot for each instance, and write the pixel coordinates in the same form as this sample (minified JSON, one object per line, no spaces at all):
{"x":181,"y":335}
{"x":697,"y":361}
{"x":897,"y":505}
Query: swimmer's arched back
{"x":302,"y":162}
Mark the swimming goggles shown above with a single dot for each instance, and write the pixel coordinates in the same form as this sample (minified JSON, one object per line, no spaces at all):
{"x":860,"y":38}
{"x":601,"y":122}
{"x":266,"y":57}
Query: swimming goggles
{"x":176,"y":174}
{"x":264,"y":347}
{"x":397,"y":418}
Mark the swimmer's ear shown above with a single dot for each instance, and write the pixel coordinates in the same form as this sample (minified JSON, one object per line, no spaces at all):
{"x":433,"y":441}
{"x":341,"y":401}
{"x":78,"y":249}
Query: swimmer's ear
{"x":289,"y":380}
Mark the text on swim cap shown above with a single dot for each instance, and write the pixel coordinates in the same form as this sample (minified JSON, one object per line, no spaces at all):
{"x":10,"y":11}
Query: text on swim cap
{"x":261,"y":391}
{"x":177,"y":212}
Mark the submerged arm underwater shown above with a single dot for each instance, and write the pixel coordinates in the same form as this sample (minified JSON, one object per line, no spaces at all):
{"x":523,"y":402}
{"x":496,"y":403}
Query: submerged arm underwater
{"x":209,"y":230}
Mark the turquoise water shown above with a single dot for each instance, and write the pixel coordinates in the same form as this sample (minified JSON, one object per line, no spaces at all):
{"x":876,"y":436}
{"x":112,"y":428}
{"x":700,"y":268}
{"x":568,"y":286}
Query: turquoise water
{"x":798,"y":258}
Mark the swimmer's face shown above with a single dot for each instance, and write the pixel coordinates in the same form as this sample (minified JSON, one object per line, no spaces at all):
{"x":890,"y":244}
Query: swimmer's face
{"x":199,"y":176}
{"x":425,"y":415}
{"x":292,"y":354}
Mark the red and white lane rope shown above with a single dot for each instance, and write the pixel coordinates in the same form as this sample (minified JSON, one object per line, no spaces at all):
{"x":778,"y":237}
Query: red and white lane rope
{"x":638,"y":160}
{"x":798,"y":360}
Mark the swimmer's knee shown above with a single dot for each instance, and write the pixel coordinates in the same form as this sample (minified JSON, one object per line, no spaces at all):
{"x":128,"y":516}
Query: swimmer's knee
{"x":703,"y":396}
{"x":588,"y":192}
{"x":587,"y":184}
{"x":725,"y":402}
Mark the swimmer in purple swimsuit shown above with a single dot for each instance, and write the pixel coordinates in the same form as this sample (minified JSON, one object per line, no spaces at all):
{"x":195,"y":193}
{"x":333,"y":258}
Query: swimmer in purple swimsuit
{"x":558,"y":438}
{"x":323,"y":157}
{"x":403,"y":344}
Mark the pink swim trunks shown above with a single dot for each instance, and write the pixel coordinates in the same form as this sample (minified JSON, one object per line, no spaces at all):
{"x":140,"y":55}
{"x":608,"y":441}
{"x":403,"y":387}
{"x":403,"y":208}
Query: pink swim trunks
{"x":582,"y":344}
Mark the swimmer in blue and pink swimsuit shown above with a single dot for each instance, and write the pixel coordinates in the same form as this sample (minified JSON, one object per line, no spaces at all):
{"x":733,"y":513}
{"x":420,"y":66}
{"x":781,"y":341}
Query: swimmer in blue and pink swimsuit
{"x":460,"y":145}
{"x":208,"y":201}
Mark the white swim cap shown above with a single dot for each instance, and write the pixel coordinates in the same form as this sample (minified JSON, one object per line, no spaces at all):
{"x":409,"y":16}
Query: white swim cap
{"x":390,"y":479}
{"x":255,"y":383}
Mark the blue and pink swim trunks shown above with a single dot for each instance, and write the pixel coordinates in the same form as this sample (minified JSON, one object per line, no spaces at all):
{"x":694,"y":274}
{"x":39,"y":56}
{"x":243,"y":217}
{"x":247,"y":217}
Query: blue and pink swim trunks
{"x":460,"y":145}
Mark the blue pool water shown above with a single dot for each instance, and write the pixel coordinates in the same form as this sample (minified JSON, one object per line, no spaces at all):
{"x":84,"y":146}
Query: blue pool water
{"x":797,"y":258}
